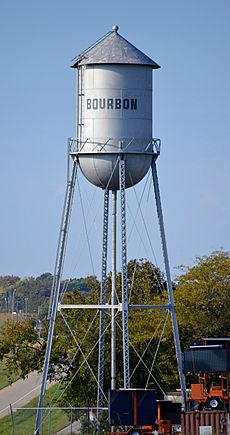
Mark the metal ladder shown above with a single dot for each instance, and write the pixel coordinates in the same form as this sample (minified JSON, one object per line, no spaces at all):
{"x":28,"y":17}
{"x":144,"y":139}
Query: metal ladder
{"x":81,"y":105}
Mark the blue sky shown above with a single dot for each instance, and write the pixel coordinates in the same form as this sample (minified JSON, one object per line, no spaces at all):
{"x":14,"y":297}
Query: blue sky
{"x":38,"y":39}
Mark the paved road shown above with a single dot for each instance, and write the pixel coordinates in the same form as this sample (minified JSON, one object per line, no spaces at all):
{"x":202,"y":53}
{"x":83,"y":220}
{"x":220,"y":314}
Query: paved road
{"x":76,"y":426}
{"x":20,"y":392}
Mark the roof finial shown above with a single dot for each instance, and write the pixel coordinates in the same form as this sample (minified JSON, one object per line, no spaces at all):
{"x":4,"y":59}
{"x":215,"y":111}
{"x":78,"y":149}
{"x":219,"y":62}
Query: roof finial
{"x":115,"y":28}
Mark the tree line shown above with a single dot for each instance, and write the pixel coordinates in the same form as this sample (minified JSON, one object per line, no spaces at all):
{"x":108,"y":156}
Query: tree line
{"x":30,"y":295}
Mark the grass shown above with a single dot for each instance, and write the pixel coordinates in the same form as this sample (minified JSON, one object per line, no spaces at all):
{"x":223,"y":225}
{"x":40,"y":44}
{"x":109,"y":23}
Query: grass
{"x":24,"y":419}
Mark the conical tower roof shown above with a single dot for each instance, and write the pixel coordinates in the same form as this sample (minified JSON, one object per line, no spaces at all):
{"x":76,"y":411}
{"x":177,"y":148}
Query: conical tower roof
{"x":113,"y":49}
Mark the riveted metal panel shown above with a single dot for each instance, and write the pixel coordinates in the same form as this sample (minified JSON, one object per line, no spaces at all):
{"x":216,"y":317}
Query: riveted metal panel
{"x":192,"y":421}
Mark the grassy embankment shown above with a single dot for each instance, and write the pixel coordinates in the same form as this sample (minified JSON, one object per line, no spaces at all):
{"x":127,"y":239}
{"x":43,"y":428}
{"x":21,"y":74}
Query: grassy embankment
{"x":24,"y":419}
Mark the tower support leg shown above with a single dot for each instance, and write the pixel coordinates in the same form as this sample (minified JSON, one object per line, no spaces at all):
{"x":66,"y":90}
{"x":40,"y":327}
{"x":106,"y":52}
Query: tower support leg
{"x":56,"y":286}
{"x":113,"y":290}
{"x":168,"y":278}
{"x":101,"y":350}
{"x":124,"y":292}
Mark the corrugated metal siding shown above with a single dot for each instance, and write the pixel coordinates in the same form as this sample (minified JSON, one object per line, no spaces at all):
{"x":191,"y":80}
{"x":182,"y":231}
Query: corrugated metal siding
{"x":192,"y":420}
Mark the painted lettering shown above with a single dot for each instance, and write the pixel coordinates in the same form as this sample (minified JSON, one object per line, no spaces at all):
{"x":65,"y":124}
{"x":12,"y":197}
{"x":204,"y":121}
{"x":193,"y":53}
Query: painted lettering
{"x":95,"y":103}
{"x":111,"y":103}
{"x":133,"y":104}
{"x":102,"y":103}
{"x":117,"y":103}
{"x":126,"y":103}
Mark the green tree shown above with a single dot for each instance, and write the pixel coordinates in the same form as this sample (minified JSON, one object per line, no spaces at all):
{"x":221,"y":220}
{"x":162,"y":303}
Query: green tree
{"x":203,"y":298}
{"x":20,"y":347}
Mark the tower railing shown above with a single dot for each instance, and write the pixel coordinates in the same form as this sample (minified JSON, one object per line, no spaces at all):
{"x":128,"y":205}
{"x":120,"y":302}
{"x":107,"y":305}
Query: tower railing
{"x":79,"y":146}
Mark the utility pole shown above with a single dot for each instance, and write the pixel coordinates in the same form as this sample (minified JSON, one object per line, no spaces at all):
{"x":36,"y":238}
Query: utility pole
{"x":12,"y":302}
{"x":26,"y":307}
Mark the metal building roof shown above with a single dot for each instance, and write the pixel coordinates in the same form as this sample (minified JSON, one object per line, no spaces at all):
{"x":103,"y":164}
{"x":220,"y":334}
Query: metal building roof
{"x":113,"y":49}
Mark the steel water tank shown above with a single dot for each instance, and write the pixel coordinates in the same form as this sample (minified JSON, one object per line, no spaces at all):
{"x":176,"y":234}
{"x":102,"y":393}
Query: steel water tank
{"x":114,"y":111}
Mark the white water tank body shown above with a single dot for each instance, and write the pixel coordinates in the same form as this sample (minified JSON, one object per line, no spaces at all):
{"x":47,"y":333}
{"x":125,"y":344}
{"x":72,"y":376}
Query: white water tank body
{"x":114,"y":111}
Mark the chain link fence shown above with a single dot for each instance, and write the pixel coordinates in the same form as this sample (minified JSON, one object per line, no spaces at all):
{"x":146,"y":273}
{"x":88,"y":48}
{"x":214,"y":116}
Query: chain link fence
{"x":55,"y":421}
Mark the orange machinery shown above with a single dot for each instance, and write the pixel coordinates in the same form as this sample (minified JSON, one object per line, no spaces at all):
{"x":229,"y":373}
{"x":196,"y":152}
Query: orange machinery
{"x":214,"y":397}
{"x":204,"y":393}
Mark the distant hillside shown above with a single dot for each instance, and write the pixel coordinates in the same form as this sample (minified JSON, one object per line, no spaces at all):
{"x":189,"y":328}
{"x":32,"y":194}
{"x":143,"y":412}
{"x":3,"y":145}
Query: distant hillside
{"x":30,"y":295}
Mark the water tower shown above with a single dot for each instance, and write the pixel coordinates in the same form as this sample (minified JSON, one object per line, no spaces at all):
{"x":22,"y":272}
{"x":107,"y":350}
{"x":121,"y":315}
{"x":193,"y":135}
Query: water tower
{"x":114,"y":148}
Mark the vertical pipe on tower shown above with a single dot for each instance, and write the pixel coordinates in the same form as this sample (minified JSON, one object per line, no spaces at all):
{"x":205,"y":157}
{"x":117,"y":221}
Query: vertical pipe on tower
{"x":113,"y":290}
{"x":101,"y":350}
{"x":124,"y":289}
